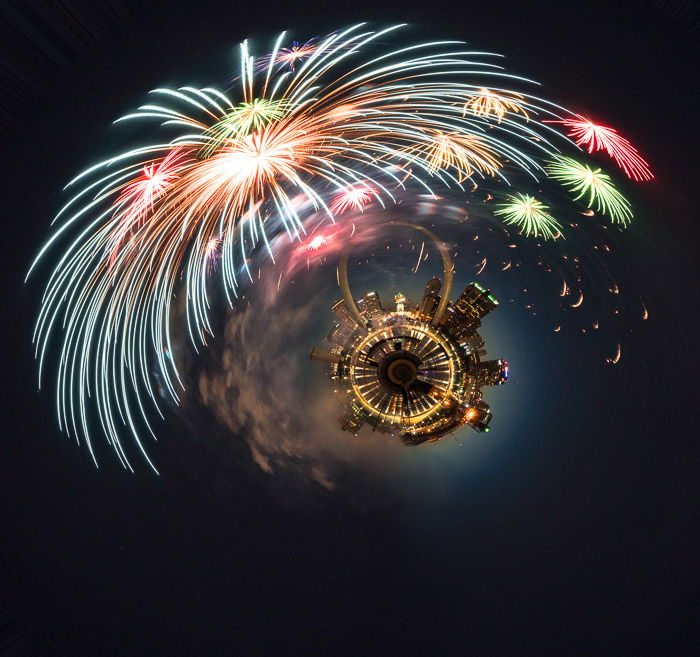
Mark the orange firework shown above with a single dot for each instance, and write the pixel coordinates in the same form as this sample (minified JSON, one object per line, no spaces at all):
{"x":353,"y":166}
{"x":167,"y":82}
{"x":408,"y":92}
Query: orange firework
{"x":489,"y":103}
{"x":313,"y":128}
{"x":462,"y":153}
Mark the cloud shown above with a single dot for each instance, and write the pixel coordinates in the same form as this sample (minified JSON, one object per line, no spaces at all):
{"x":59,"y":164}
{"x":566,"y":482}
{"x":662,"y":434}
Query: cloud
{"x":266,"y":392}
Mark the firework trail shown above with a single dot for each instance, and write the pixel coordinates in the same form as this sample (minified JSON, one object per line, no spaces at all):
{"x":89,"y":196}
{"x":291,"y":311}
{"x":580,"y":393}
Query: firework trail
{"x":331,"y":125}
{"x":593,"y":183}
{"x":530,"y":216}
{"x":489,"y":103}
{"x":599,"y":137}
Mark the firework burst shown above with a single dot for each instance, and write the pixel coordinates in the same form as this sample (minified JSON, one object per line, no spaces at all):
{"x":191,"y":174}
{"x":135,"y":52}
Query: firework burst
{"x":289,"y":56}
{"x":599,"y":137}
{"x":530,"y":216}
{"x":319,"y":128}
{"x":460,"y":153}
{"x":488,"y":103}
{"x":241,"y":121}
{"x":316,"y":243}
{"x":138,"y":197}
{"x":592,"y":185}
{"x":353,"y":198}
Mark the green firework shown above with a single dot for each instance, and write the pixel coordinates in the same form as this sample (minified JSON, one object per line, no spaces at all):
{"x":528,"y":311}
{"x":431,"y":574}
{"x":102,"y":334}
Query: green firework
{"x":530,"y":215}
{"x":597,"y":187}
{"x":243,"y":119}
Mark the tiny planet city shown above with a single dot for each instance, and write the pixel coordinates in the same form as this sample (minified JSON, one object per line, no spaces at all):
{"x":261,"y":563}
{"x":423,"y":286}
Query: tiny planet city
{"x":350,"y":329}
{"x":412,"y":371}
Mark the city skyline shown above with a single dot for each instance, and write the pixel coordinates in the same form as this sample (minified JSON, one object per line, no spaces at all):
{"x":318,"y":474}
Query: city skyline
{"x":406,"y":371}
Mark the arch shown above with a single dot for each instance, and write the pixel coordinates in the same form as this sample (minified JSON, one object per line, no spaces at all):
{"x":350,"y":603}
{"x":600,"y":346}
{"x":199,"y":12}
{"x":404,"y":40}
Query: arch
{"x":447,"y":276}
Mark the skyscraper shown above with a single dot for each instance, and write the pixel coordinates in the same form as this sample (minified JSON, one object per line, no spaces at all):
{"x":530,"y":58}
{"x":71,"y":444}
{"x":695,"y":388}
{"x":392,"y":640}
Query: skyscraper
{"x":469,"y":309}
{"x":404,"y":376}
{"x":372,"y":307}
{"x":342,"y":313}
{"x":492,"y":372}
{"x":431,"y":299}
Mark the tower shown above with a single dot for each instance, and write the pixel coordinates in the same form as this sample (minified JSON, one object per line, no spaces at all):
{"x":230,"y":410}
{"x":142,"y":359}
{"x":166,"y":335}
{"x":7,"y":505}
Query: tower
{"x":431,"y":299}
{"x":468,"y":311}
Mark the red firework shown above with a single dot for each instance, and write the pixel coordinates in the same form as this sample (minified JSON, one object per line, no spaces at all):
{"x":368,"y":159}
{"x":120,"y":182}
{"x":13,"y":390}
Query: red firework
{"x":137,"y":198}
{"x":353,"y":197}
{"x":316,"y":243}
{"x":599,"y":137}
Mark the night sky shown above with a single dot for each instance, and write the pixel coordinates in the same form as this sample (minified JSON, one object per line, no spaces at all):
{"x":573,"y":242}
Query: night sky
{"x":572,"y":530}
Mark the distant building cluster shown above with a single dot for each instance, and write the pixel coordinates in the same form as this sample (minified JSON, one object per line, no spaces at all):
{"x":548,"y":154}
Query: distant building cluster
{"x":407,"y":373}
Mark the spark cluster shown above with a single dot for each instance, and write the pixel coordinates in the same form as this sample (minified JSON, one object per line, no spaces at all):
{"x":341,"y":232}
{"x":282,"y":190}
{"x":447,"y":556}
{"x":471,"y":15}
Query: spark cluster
{"x":530,"y":216}
{"x":490,"y":103}
{"x":326,"y":126}
{"x":599,"y":137}
{"x":592,"y":185}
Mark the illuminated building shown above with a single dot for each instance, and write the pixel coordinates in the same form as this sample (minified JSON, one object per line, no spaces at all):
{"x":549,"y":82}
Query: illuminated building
{"x":401,"y":302}
{"x":492,"y":372}
{"x":475,"y":344}
{"x":430,"y":300}
{"x":464,"y":317}
{"x":324,"y":356}
{"x":415,"y":373}
{"x":341,"y":333}
{"x":342,"y":313}
{"x":372,"y":307}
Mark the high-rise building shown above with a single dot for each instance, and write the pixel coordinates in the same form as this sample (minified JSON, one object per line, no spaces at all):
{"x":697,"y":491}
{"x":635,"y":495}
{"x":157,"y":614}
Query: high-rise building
{"x":468,"y":311}
{"x":350,"y":422}
{"x":342,"y":313}
{"x":475,"y":301}
{"x":431,"y":299}
{"x":458,"y":324}
{"x":372,"y":307}
{"x":324,"y":356}
{"x":405,"y":377}
{"x":475,"y":344}
{"x":341,"y":334}
{"x":432,"y":287}
{"x":492,"y":372}
{"x":478,"y":416}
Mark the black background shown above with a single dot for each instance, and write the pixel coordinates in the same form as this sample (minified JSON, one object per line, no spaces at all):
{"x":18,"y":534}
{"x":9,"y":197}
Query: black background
{"x":588,"y":546}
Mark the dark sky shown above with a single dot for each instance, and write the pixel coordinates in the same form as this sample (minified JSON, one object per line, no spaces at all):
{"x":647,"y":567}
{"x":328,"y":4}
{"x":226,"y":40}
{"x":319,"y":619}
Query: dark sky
{"x":584,"y":542}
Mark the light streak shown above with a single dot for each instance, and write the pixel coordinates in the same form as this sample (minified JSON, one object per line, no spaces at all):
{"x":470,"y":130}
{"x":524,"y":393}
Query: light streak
{"x":223,"y":174}
{"x":489,"y":103}
{"x":616,"y":358}
{"x":530,"y":215}
{"x":592,"y":185}
{"x":420,"y":255}
{"x":599,"y":137}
